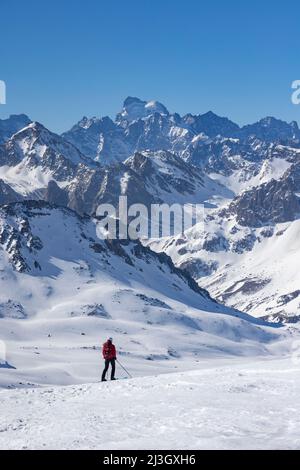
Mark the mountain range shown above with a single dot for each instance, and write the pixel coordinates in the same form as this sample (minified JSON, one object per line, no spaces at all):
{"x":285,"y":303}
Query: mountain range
{"x":243,"y":260}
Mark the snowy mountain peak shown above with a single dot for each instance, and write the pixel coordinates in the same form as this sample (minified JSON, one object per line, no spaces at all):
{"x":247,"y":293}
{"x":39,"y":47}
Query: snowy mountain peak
{"x":272,"y":129}
{"x":11,"y":125}
{"x":94,"y":123}
{"x":86,"y":122}
{"x":270,"y":121}
{"x":211,"y":124}
{"x":131,"y":100}
{"x":18,"y":118}
{"x":134,"y":109}
{"x":34,"y":155}
{"x":34,"y":129}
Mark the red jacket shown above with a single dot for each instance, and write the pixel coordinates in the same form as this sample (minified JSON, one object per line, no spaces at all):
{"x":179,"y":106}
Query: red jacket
{"x":109,"y":351}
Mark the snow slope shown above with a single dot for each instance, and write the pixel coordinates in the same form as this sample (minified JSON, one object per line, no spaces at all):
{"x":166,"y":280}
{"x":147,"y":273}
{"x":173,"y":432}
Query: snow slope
{"x":237,"y":405}
{"x":170,"y":179}
{"x":264,"y":281}
{"x":252,"y":269}
{"x":63,"y":292}
{"x":34,"y":156}
{"x":245,"y":178}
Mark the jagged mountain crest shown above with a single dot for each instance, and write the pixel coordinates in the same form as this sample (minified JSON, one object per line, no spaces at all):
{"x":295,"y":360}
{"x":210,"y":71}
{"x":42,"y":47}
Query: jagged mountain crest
{"x":211,"y":125}
{"x":35,"y":139}
{"x":11,"y":125}
{"x":148,"y":125}
{"x":271,"y":129}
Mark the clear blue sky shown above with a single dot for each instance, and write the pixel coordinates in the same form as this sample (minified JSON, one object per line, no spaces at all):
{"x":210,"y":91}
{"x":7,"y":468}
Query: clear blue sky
{"x":65,"y":59}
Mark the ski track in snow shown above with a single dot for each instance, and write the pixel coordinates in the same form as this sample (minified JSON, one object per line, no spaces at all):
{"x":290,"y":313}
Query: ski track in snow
{"x":249,"y":405}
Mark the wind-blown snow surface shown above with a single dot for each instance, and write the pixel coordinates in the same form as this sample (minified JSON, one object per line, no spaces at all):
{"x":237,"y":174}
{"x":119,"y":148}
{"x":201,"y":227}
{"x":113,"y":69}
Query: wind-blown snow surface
{"x":244,"y":405}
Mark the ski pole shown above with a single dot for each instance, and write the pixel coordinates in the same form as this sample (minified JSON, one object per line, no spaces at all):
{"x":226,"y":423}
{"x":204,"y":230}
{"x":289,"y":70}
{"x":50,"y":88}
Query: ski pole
{"x":124,"y":368}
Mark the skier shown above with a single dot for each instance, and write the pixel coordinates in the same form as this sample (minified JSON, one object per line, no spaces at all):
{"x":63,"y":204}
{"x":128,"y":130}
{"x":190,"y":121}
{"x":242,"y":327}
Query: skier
{"x":110,"y":356}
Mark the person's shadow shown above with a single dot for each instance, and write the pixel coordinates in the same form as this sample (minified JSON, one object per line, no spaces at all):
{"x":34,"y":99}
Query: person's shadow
{"x":5,"y":365}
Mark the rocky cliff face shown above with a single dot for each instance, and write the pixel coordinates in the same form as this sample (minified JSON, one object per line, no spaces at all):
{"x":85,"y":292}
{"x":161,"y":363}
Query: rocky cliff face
{"x":275,"y":202}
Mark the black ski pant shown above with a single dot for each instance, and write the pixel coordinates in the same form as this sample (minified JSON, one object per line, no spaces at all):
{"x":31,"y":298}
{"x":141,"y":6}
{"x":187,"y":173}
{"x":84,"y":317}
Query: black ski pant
{"x":112,"y":362}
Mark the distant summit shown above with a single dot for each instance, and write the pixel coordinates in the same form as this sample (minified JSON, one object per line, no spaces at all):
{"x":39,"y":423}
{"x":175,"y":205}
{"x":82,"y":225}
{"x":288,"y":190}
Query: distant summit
{"x":134,"y":108}
{"x":11,"y":125}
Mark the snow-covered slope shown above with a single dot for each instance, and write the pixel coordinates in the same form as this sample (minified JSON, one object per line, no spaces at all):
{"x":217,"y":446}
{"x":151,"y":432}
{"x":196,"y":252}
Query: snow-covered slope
{"x":63,"y":291}
{"x":240,"y":164}
{"x":87,"y":135}
{"x":265,"y":280}
{"x":37,"y":164}
{"x":251,"y":267}
{"x":34,"y":156}
{"x":7,"y":194}
{"x":241,"y":405}
{"x":170,"y":179}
